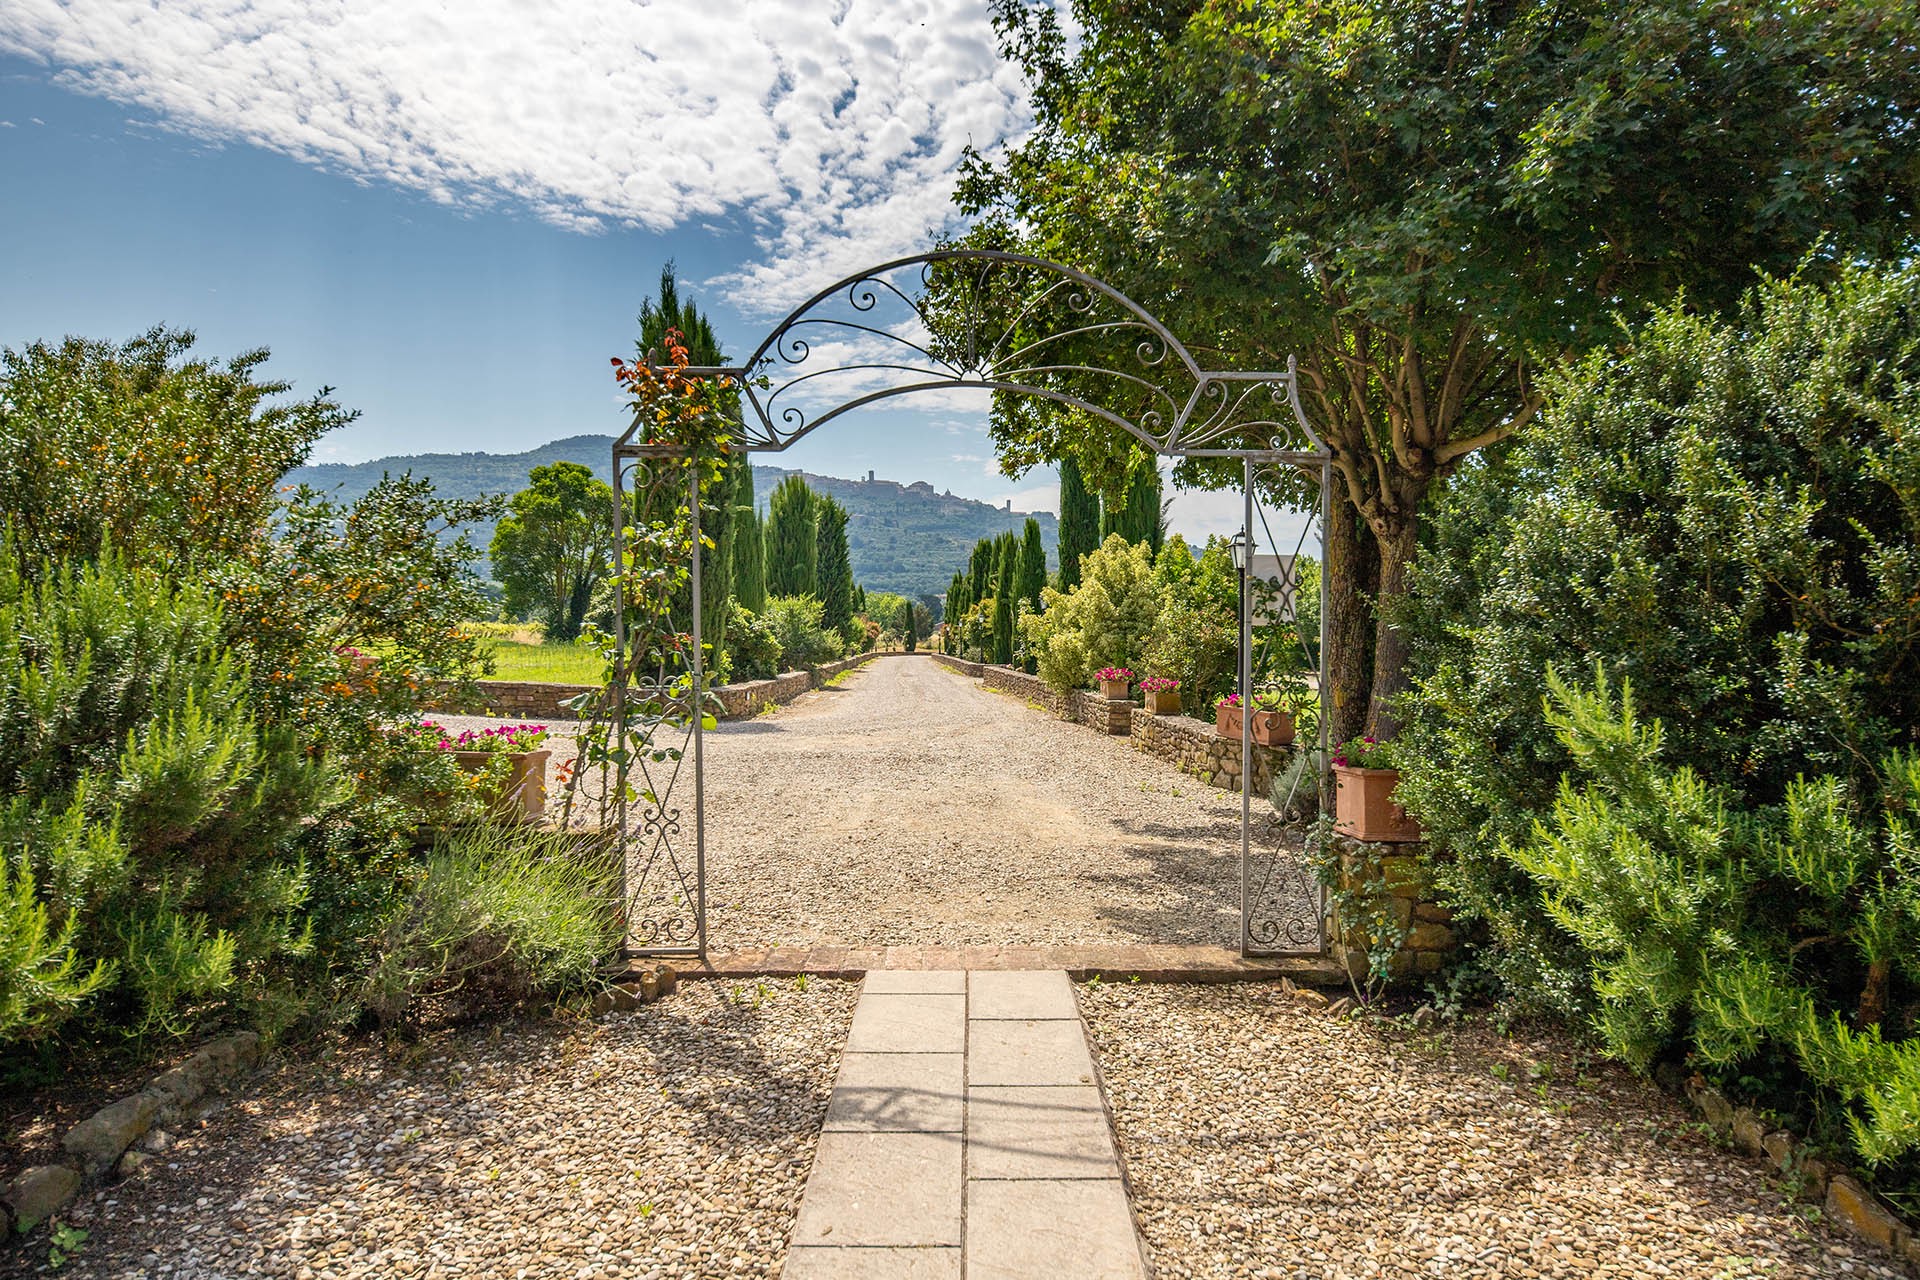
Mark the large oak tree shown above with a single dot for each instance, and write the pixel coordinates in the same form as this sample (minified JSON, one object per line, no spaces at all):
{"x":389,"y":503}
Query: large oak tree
{"x":1426,"y":202}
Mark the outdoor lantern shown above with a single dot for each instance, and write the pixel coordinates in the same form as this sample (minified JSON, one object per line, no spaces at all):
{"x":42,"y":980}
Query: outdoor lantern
{"x":1241,"y":544}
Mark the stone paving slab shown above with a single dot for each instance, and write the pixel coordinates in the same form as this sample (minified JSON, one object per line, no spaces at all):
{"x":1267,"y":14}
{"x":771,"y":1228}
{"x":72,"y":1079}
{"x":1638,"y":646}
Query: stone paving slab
{"x":883,"y":1189}
{"x":817,"y":1263}
{"x":944,"y":982}
{"x":908,"y":1024}
{"x":1044,"y":1229}
{"x":1020,"y":994}
{"x":1046,"y":1132}
{"x":1052,"y":1052}
{"x":899,"y":1093}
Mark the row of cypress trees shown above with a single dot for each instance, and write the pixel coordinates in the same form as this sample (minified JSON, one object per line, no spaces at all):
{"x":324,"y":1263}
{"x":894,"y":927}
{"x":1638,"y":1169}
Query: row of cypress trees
{"x":1007,"y":570}
{"x":806,"y":551}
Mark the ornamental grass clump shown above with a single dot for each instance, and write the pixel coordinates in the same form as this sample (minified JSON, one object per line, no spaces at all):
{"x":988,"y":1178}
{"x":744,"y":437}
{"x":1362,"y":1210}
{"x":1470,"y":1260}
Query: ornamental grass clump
{"x":497,"y":917}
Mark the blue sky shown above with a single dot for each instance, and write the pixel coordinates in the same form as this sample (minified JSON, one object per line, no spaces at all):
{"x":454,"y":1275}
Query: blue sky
{"x":454,"y":227}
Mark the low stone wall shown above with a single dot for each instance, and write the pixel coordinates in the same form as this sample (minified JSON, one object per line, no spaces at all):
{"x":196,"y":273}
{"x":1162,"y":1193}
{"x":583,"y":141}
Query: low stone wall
{"x":103,"y":1146}
{"x":1197,"y":749}
{"x":530,"y":700}
{"x":1105,"y":715}
{"x":973,"y":670}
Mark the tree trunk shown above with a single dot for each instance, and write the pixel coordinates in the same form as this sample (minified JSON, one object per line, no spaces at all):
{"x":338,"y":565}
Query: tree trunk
{"x":1389,"y":641}
{"x":1346,"y":588}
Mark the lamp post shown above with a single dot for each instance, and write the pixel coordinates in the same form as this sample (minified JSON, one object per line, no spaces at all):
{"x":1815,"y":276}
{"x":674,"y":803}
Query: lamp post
{"x":1241,"y":546}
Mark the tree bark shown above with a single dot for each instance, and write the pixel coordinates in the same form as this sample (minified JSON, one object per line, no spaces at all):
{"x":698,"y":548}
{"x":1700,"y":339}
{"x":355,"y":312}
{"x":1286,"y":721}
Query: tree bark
{"x":1390,"y":647}
{"x":1346,"y":590}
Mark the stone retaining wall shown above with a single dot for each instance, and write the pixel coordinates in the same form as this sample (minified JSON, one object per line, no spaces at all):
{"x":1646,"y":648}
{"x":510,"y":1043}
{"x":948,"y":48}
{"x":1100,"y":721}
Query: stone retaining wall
{"x":531,"y":700}
{"x":973,"y":670}
{"x":1197,"y":749}
{"x":1402,"y":871}
{"x":119,"y":1138}
{"x":1106,"y":715}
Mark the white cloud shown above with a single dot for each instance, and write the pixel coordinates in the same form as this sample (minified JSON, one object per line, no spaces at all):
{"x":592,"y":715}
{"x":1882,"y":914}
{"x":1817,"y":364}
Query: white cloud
{"x":1030,"y":500}
{"x":831,"y":129}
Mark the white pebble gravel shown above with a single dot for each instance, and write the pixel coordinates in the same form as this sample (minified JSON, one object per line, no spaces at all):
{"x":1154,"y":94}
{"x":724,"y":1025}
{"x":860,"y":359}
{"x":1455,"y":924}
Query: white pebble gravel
{"x":1264,"y":1140}
{"x":673,"y":1141}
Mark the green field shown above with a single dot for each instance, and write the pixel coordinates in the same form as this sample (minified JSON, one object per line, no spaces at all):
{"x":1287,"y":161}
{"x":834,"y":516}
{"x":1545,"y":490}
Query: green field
{"x":550,"y":663}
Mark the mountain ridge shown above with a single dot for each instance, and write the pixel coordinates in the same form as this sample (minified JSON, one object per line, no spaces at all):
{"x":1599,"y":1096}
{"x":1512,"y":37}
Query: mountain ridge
{"x":904,"y":537}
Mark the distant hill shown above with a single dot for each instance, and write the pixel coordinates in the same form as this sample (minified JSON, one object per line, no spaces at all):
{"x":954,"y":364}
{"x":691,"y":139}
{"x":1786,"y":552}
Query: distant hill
{"x":904,"y":538}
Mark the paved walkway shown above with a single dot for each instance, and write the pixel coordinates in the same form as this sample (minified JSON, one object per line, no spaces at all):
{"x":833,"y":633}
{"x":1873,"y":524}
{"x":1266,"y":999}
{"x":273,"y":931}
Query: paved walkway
{"x":966,"y":1137}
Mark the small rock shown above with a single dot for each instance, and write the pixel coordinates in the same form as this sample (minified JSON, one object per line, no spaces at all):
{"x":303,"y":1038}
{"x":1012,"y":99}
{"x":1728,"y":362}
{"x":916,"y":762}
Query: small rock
{"x":1860,"y":1211}
{"x":131,"y":1163}
{"x":156,"y":1140}
{"x":1779,"y":1146}
{"x":1425,"y":1015}
{"x":1714,"y":1107}
{"x":650,"y":986}
{"x":669,"y":979}
{"x":1311,"y":998}
{"x":179,"y":1086}
{"x":99,"y":1139}
{"x":1748,"y":1132}
{"x":38,"y":1193}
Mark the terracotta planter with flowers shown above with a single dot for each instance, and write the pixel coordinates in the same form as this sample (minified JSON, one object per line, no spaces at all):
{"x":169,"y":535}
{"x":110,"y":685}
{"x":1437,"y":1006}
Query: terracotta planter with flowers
{"x":1364,"y":807}
{"x":1114,"y":682}
{"x":522,"y":796}
{"x":1162,"y":694}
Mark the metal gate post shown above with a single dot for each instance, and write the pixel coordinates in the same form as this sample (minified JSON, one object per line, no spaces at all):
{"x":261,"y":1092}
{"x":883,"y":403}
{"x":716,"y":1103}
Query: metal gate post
{"x":617,"y":691}
{"x":699,"y":715}
{"x":1246,"y":702}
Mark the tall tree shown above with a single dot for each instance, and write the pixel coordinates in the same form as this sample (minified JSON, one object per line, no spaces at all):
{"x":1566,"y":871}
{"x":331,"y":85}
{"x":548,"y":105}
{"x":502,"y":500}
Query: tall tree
{"x":911,"y":631}
{"x":1079,"y":521}
{"x":1136,"y":515}
{"x":957,"y":600}
{"x":833,"y":568}
{"x":1424,"y":201}
{"x":552,"y":546}
{"x":665,"y":313}
{"x":793,"y":554}
{"x":1033,"y":565}
{"x":980,"y":571}
{"x":749,"y":560}
{"x":1006,"y":569}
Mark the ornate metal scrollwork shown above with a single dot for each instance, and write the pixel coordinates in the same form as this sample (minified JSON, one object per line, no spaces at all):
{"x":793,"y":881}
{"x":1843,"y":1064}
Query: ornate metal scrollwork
{"x":1012,"y":324}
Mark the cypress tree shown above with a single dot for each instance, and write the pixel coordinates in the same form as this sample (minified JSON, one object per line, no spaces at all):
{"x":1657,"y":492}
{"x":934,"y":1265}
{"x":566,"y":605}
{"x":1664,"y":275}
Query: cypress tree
{"x":658,"y":315}
{"x":833,"y":569}
{"x":1079,"y":522}
{"x":957,"y":602}
{"x":1135,"y":515}
{"x":792,"y":552}
{"x":1033,"y":565}
{"x":1003,"y":598}
{"x":749,"y":560}
{"x":912,"y":627}
{"x":980,"y":572}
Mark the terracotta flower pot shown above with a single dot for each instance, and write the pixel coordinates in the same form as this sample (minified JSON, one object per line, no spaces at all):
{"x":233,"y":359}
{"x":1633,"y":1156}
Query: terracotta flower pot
{"x":523,"y":797}
{"x":1164,"y":702}
{"x":1364,"y":807}
{"x":1113,"y":689}
{"x":1270,"y":728}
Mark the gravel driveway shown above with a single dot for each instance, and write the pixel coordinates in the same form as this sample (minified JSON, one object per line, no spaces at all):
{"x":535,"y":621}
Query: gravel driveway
{"x":669,"y":1142}
{"x":1262,"y":1140}
{"x":911,"y":807}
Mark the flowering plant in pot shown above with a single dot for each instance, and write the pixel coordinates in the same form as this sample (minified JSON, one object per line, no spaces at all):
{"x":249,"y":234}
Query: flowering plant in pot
{"x":1272,"y":726}
{"x":1113,"y":681}
{"x":1163,"y":695}
{"x":510,"y":756}
{"x":1364,"y":779}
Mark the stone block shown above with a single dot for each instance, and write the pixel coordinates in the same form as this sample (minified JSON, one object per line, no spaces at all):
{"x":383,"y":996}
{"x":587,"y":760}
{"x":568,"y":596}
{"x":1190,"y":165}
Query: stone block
{"x":1428,"y":961}
{"x":1779,"y":1147}
{"x":178,"y":1087}
{"x":1043,"y":1132}
{"x":39,"y":1193}
{"x":883,"y":1189}
{"x":1432,"y":913}
{"x":1714,"y":1107}
{"x":1028,"y":1053}
{"x":1020,"y":994}
{"x":1748,"y":1131}
{"x":1861,"y":1212}
{"x":98,"y":1140}
{"x":1081,"y":1229}
{"x":1430,"y":937}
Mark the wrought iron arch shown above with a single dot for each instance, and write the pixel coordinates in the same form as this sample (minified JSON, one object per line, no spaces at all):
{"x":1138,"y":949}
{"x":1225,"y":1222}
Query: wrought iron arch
{"x":1010,"y":324}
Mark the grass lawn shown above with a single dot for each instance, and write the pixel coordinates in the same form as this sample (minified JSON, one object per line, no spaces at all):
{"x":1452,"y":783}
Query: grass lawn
{"x":550,"y":663}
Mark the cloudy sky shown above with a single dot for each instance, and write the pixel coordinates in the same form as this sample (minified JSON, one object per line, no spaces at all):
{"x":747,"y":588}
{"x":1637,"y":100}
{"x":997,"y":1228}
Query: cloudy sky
{"x":451,"y":213}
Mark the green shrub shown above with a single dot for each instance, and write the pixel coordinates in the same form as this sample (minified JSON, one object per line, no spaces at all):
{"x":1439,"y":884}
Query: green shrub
{"x":795,"y":624}
{"x":1735,"y":935}
{"x":1196,"y":634}
{"x":153,"y":819}
{"x":497,"y":916}
{"x":752,"y":646}
{"x":1725,"y":514}
{"x":1106,"y":620}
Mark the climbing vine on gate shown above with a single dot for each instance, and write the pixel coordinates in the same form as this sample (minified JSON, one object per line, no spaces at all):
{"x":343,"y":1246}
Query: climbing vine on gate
{"x":635,"y":722}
